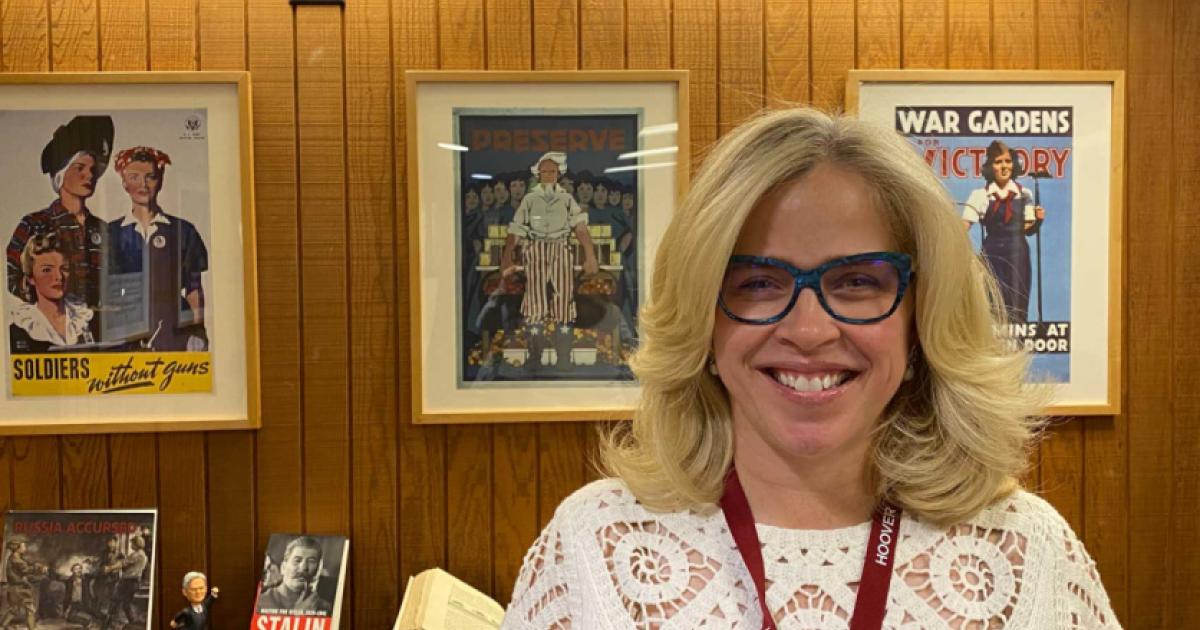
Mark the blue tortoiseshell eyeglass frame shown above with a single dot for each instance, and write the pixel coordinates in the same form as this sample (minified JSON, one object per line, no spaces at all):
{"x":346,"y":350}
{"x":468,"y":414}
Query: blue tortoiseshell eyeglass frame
{"x":811,"y":279}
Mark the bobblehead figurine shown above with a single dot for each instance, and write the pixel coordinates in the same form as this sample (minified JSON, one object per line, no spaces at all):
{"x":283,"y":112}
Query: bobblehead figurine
{"x":200,"y":601}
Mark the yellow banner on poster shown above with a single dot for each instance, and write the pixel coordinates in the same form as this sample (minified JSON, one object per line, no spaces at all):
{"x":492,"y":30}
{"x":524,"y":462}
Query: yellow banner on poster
{"x":86,"y":374}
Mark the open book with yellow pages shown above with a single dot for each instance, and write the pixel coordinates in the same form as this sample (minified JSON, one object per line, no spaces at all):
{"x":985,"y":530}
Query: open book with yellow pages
{"x":436,"y":600}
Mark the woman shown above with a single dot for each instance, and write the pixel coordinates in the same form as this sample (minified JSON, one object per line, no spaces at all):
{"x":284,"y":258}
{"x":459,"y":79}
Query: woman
{"x":1008,"y":213}
{"x":599,"y":194}
{"x":602,"y":213}
{"x":488,"y":197}
{"x":627,"y":245}
{"x":47,"y":318}
{"x":614,"y":194}
{"x":74,"y":159}
{"x":820,"y":378}
{"x":500,"y":191}
{"x":164,"y":253}
{"x":583,"y":190}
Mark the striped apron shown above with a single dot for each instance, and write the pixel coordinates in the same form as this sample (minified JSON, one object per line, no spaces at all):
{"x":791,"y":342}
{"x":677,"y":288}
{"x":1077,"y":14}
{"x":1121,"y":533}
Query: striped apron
{"x":550,"y":285}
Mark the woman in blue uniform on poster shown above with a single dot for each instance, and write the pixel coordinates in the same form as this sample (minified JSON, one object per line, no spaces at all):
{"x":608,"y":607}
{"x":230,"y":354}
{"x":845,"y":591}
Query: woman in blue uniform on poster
{"x":1007,"y":213}
{"x":163,"y":253}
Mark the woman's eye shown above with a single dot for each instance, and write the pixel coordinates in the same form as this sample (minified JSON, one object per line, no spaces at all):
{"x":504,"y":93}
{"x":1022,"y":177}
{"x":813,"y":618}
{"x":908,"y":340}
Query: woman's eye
{"x":856,"y":281}
{"x":752,"y":284}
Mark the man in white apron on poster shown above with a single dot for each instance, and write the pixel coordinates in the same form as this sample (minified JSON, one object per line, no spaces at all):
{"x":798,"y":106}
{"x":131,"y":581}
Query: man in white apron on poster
{"x":544,"y":222}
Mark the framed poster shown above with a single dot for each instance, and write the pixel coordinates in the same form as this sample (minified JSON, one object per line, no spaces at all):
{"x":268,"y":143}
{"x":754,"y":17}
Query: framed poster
{"x":536,"y":201}
{"x":80,"y":568}
{"x":1034,"y":162}
{"x":130,"y":301}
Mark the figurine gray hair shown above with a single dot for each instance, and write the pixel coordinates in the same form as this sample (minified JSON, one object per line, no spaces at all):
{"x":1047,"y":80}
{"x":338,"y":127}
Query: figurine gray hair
{"x":191,"y":575}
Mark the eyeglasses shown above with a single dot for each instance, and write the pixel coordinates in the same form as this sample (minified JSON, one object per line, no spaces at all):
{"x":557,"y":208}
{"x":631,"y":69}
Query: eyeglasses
{"x":859,"y":289}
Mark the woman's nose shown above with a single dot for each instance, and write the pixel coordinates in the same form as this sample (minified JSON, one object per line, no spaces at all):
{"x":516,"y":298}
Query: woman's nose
{"x":807,"y":325}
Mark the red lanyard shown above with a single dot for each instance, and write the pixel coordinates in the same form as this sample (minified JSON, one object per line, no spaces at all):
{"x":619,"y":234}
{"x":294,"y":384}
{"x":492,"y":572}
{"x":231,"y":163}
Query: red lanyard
{"x":871,"y":602}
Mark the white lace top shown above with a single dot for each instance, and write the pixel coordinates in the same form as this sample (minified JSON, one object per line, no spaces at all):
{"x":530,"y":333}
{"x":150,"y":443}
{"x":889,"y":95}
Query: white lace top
{"x":604,"y":561}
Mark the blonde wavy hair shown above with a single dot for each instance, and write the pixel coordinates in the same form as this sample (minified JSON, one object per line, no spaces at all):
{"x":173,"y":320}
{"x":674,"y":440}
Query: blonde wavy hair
{"x":952,"y":440}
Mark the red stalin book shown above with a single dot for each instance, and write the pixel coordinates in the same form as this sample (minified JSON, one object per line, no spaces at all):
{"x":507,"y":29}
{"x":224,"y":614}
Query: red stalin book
{"x":302,"y":582}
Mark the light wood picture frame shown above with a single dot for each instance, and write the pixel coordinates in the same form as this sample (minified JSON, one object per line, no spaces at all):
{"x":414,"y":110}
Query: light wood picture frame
{"x":1050,"y":144}
{"x":131,"y":301}
{"x":486,"y":344}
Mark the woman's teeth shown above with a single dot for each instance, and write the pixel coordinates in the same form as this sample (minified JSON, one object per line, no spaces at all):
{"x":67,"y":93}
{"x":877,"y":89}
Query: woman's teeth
{"x":814,"y":384}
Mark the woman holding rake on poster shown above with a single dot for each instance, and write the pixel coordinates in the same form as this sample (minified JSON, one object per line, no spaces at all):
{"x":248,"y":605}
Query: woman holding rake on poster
{"x":1008,"y":213}
{"x":830,"y":431}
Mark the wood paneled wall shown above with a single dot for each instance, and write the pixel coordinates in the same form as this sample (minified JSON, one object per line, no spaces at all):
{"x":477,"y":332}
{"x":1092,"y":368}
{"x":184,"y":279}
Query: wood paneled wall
{"x":336,"y":452}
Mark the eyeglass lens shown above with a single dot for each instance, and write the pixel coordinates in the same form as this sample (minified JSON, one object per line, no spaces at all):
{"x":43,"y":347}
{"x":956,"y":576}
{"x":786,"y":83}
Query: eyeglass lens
{"x":855,"y":290}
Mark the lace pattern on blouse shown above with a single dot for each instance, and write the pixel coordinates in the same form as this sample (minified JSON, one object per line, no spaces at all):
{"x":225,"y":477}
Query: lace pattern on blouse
{"x":604,"y":561}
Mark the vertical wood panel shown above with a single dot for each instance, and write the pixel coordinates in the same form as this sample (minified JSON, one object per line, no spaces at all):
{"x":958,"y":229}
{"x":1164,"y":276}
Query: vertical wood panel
{"x":514,"y":456}
{"x":134,"y":471}
{"x":602,"y":34}
{"x":1015,"y":36}
{"x":1060,"y":47}
{"x":555,"y":34}
{"x":469,"y":488}
{"x":468,"y":491}
{"x":122,"y":35}
{"x":36,"y":474}
{"x":877,"y":40}
{"x":1150,"y":166}
{"x":422,"y":513}
{"x":648,"y":33}
{"x":559,"y":448}
{"x":969,"y":26}
{"x":510,"y":38}
{"x":832,"y":51}
{"x":323,"y":269}
{"x":85,"y":472}
{"x":6,"y":480}
{"x":1106,"y":496}
{"x":786,"y":44}
{"x":648,"y":46}
{"x":183,"y":514}
{"x":514,"y":504}
{"x":544,"y":466}
{"x":695,"y":50}
{"x":233,"y":561}
{"x":270,"y":45}
{"x":1060,"y":40}
{"x":172,"y":27}
{"x":563,"y":448}
{"x":73,"y":47}
{"x":739,"y":62}
{"x":923,"y":38}
{"x":182,"y":500}
{"x":1185,"y":575}
{"x":222,"y":34}
{"x":73,"y":31}
{"x":468,"y":447}
{"x":460,"y":25}
{"x":24,"y":36}
{"x":134,"y":458}
{"x":372,"y":312}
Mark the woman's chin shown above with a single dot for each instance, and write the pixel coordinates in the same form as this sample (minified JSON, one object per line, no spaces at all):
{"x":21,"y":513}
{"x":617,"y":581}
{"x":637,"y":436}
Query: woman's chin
{"x":799,"y":439}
